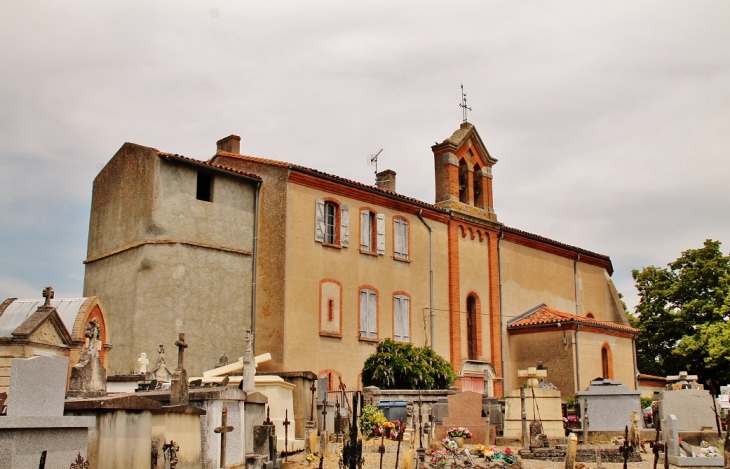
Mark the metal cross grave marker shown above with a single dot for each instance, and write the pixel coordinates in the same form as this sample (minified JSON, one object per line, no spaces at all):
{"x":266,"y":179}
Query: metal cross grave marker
{"x":223,"y":429}
{"x":286,"y":424}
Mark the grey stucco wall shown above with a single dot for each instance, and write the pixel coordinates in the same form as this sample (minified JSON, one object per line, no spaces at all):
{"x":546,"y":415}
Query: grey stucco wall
{"x":193,"y":275}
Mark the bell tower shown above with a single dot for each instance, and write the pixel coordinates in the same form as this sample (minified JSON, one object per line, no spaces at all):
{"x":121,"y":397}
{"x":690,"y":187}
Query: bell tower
{"x":463,"y":171}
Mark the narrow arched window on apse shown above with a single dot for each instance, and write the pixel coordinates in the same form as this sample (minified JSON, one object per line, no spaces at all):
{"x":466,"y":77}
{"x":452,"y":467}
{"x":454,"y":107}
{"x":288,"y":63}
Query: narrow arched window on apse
{"x":606,"y":362}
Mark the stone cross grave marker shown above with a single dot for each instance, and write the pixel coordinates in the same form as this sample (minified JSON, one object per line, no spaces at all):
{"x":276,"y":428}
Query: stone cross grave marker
{"x":48,"y":295}
{"x":179,"y":385}
{"x":223,"y":429}
{"x":532,"y":374}
{"x":181,"y":346}
{"x":143,"y":361}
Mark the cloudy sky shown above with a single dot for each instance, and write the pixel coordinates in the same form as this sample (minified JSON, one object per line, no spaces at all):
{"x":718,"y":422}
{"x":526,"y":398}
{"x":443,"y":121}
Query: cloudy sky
{"x":610,"y":120}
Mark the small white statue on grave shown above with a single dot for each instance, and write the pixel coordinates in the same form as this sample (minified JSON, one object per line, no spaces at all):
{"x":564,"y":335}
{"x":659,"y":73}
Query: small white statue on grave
{"x":248,"y":380}
{"x":143,"y":361}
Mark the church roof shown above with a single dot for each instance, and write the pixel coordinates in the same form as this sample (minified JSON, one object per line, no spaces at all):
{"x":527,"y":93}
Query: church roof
{"x":16,"y":312}
{"x":332,"y":177}
{"x":215,"y":166}
{"x":542,"y":315}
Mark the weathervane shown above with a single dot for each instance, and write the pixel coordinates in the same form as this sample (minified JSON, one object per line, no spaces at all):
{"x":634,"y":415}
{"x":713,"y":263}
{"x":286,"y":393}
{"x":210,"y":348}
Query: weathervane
{"x":463,"y":105}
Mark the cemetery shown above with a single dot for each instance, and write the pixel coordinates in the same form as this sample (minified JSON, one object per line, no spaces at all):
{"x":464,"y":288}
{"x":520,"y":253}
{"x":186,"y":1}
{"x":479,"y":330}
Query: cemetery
{"x":58,"y":414}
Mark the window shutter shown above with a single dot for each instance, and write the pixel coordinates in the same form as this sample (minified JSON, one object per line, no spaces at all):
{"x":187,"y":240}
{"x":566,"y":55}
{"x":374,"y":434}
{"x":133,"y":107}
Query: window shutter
{"x":396,"y":319}
{"x":405,"y":318}
{"x":381,"y":233}
{"x":401,"y":238}
{"x":368,"y":323}
{"x":372,"y":319}
{"x":363,"y":313}
{"x":344,"y":226}
{"x":319,"y":221}
{"x":365,"y":237}
{"x":401,"y":321}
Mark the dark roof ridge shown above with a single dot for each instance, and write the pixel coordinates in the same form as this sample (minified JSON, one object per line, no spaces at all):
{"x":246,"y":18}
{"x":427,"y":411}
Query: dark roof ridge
{"x":209,"y":164}
{"x":556,"y":243}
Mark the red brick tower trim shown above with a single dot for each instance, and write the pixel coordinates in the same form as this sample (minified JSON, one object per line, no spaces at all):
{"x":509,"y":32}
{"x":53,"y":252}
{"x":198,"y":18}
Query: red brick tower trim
{"x":495,"y":332}
{"x":454,"y":297}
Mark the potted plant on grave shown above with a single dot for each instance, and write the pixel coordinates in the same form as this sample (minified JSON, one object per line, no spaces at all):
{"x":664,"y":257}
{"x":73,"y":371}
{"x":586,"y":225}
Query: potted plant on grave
{"x":459,"y":434}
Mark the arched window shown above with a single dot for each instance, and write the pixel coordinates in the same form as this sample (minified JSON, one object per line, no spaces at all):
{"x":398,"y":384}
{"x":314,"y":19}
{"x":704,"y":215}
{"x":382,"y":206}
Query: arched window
{"x":471,"y":327}
{"x":464,"y":182}
{"x":606,"y":362}
{"x":590,"y":315}
{"x":477,"y":186}
{"x":332,"y":223}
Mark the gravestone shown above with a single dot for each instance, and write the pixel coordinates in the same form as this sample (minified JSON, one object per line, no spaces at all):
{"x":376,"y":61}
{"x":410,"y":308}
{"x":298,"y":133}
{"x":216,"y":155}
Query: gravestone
{"x":160,"y":373}
{"x":611,"y":404}
{"x":464,"y":410}
{"x":688,"y":401}
{"x":540,"y":404}
{"x":143,"y":362}
{"x":88,"y":376}
{"x":670,"y":427}
{"x":248,"y":382}
{"x":179,"y":385}
{"x":35,"y":424}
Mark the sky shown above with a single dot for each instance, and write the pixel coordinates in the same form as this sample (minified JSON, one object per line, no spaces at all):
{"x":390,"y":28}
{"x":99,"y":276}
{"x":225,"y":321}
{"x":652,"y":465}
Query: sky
{"x":610,"y":120}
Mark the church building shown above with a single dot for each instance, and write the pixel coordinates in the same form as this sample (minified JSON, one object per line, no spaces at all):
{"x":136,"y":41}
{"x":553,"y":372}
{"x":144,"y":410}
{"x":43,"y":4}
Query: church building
{"x":322,"y":268}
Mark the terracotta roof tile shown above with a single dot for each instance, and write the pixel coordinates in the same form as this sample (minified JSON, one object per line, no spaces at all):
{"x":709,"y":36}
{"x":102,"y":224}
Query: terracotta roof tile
{"x":163,"y":154}
{"x":319,"y":173}
{"x":544,"y":315}
{"x":292,"y":166}
{"x":652,"y":377}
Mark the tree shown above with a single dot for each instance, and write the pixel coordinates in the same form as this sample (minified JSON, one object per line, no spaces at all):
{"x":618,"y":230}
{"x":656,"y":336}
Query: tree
{"x":397,"y":365}
{"x":683,"y":315}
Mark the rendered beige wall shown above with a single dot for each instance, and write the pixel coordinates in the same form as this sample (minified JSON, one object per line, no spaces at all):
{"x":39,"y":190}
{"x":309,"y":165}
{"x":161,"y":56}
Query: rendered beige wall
{"x":531,"y":277}
{"x":622,"y":356}
{"x":271,"y":260}
{"x":307,"y":262}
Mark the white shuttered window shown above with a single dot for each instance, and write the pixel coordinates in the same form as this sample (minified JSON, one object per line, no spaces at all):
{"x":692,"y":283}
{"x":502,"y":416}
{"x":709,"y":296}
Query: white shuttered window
{"x":401,"y":318}
{"x":366,"y":230}
{"x":368,"y":314}
{"x":401,"y":238}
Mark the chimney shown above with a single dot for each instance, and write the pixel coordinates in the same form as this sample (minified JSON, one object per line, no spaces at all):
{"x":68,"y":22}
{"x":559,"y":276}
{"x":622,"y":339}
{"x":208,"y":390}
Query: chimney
{"x":230,"y":144}
{"x":385,"y":180}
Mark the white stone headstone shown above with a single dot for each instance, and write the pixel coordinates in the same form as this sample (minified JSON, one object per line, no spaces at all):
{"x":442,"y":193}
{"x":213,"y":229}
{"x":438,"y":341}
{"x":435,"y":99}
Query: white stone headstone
{"x":143,"y":361}
{"x":669,"y":425}
{"x":37,"y":386}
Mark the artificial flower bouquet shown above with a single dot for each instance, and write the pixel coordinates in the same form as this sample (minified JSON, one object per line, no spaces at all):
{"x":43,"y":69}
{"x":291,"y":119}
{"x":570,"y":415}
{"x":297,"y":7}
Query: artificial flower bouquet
{"x":438,"y":458}
{"x":459,"y":432}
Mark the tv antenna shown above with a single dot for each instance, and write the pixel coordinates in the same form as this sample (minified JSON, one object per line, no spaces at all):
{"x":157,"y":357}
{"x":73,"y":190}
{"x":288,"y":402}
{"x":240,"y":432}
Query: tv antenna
{"x":373,"y":160}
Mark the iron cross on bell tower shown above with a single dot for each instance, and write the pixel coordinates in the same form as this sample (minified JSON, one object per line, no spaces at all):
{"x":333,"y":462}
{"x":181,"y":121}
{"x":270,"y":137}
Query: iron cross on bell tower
{"x":463,"y":105}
